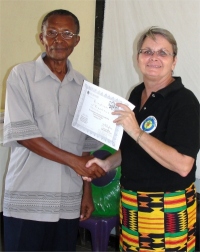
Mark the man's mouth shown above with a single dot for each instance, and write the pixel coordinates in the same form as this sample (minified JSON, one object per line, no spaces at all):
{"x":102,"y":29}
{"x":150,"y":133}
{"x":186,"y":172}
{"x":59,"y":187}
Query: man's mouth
{"x":59,"y":48}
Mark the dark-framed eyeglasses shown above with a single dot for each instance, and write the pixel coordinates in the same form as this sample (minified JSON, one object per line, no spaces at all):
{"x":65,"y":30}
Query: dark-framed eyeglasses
{"x":159,"y":53}
{"x":51,"y":33}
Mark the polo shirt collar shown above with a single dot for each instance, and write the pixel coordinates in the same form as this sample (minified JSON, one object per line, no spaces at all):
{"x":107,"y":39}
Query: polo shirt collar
{"x":174,"y":86}
{"x":42,"y":71}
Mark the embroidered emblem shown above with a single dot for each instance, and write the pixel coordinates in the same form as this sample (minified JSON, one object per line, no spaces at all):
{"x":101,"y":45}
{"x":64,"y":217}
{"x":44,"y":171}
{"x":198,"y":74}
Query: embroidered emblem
{"x":149,"y":124}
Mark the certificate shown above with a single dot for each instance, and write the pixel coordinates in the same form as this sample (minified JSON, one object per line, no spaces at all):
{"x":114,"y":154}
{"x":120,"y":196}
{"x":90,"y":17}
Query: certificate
{"x":93,"y":115}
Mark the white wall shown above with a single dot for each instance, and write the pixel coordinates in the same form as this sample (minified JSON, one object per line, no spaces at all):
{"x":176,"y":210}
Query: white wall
{"x":123,"y":23}
{"x":20,"y":25}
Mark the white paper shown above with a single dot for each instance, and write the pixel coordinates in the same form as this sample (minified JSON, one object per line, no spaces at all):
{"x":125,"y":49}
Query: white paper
{"x":94,"y":117}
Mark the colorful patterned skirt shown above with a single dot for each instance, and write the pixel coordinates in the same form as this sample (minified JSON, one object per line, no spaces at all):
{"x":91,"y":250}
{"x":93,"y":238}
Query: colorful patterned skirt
{"x":158,"y":221}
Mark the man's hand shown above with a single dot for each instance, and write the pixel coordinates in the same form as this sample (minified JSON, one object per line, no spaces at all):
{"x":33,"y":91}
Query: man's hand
{"x":45,"y":149}
{"x":87,"y":205}
{"x":94,"y":171}
{"x":107,"y":164}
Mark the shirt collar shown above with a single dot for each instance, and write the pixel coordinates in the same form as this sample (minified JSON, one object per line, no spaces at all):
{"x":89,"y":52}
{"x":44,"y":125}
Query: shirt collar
{"x":174,"y":86}
{"x":42,"y":71}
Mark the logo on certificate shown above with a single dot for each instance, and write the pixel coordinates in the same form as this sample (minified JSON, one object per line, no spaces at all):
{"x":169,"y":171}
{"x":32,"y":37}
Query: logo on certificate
{"x":149,"y":124}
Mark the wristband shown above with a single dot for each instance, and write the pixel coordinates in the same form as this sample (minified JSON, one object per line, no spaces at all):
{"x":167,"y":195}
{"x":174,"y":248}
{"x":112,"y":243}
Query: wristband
{"x":138,"y":138}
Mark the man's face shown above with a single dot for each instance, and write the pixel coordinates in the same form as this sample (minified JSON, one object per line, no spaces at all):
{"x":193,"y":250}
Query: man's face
{"x":58,"y":48}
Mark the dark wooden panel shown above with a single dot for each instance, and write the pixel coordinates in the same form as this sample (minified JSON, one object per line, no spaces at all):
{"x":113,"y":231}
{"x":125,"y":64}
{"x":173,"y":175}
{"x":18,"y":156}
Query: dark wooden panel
{"x":100,"y":5}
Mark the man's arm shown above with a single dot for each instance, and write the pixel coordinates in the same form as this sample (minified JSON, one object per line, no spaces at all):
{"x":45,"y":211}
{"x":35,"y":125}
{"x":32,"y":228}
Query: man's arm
{"x":47,"y":150}
{"x":87,"y":205}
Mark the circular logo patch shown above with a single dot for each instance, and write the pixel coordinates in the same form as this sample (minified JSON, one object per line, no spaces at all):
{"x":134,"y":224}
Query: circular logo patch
{"x":149,"y":124}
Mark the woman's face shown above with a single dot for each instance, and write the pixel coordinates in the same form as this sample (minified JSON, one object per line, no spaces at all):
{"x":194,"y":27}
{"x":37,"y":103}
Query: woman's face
{"x":156,"y":66}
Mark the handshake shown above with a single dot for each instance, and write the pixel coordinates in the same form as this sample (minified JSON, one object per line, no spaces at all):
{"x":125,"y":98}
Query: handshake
{"x":93,"y":167}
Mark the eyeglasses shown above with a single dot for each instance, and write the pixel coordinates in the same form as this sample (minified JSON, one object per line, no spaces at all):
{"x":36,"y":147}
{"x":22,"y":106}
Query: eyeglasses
{"x":160,"y":53}
{"x":65,"y":34}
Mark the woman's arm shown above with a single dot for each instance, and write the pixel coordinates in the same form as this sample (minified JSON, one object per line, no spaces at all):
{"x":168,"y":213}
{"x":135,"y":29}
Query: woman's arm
{"x":109,"y":163}
{"x":164,"y":154}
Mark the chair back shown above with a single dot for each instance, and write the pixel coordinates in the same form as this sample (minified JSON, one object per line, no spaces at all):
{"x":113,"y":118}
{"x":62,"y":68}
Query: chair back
{"x":106,"y":189}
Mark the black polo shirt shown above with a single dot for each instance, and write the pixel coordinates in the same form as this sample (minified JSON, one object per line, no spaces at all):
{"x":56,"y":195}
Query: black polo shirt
{"x":172,"y":116}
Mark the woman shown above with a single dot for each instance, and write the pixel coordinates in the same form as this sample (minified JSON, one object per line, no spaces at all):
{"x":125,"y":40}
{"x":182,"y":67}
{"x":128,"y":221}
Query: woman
{"x":157,"y":153}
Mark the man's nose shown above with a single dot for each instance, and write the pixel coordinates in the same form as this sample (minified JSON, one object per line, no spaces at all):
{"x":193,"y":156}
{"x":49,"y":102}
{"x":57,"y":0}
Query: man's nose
{"x":59,"y":37}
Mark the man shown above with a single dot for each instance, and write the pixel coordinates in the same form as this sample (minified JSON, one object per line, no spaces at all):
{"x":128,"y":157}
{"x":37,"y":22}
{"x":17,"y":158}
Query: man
{"x":43,"y":187}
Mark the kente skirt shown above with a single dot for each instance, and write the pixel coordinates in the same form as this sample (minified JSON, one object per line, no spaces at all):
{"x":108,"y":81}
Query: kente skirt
{"x":158,"y":221}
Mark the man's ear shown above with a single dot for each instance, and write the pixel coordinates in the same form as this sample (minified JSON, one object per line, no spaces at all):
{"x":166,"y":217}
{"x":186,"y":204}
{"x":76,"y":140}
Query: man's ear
{"x":41,"y":38}
{"x":77,"y":40}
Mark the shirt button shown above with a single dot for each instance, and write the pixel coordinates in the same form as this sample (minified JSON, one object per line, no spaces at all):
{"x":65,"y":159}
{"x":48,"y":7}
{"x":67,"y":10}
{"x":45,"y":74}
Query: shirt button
{"x":145,"y":108}
{"x":153,"y":95}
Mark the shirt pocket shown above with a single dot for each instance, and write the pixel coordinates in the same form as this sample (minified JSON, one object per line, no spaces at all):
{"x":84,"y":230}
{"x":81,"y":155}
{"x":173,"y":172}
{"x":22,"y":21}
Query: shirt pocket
{"x":71,"y":134}
{"x":45,"y":117}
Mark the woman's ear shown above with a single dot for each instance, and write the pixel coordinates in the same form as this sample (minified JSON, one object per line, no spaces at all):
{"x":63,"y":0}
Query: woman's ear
{"x":174,"y":63}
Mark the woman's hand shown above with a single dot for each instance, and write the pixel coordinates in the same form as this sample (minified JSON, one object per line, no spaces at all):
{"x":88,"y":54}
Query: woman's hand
{"x":111,"y":162}
{"x":99,"y":162}
{"x":126,"y":118}
{"x":164,"y":154}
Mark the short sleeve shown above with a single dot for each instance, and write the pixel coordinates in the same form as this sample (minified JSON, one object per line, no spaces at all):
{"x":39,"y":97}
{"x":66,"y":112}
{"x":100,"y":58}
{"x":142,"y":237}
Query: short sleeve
{"x":184,"y":127}
{"x":19,"y":122}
